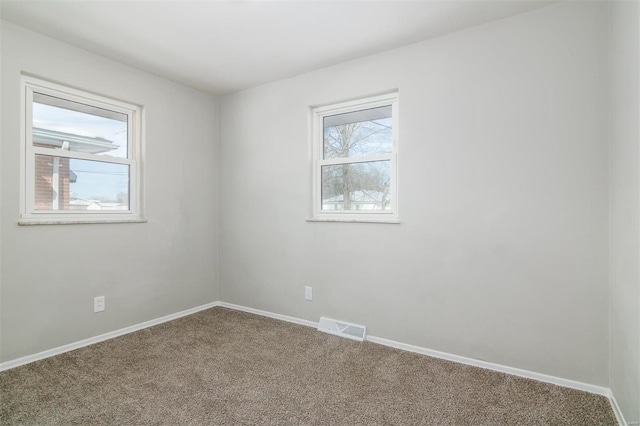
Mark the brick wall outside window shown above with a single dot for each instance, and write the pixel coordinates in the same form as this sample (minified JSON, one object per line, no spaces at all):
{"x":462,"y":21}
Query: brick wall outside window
{"x":44,"y":193}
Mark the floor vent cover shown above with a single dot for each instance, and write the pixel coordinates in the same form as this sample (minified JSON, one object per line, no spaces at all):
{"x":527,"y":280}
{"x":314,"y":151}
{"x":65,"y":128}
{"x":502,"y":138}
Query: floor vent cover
{"x":343,"y":329}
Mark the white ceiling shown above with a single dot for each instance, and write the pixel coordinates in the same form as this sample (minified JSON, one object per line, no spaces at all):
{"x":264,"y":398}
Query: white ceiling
{"x":224,"y":46}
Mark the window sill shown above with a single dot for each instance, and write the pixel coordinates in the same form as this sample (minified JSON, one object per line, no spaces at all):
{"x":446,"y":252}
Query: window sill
{"x":355,"y":220}
{"x":32,"y":222}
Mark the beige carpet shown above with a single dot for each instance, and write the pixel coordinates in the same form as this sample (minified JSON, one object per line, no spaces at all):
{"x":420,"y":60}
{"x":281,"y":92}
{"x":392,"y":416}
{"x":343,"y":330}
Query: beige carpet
{"x":225,"y":367}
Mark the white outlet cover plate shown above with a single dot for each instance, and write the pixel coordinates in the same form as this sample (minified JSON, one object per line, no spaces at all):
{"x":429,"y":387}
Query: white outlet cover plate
{"x":98,"y":304}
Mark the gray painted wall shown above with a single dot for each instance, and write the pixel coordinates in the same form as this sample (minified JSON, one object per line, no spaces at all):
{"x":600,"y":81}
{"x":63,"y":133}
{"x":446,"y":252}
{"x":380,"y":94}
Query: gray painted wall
{"x":50,"y":274}
{"x":502,"y":254}
{"x":625,"y":212}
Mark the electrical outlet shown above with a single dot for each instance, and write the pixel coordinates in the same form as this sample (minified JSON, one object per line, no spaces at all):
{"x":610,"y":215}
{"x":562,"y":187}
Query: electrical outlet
{"x":98,"y":304}
{"x":308,"y":293}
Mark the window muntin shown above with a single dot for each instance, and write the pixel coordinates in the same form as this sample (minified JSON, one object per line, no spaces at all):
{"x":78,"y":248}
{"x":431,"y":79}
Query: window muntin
{"x":355,"y":160}
{"x":81,"y":156}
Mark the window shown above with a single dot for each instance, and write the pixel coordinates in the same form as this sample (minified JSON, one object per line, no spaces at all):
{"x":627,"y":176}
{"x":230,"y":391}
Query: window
{"x":355,"y":161}
{"x":81,"y":156}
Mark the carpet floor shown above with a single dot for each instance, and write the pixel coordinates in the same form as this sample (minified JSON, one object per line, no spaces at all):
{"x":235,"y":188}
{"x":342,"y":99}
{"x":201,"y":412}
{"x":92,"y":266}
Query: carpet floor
{"x":220,"y":367}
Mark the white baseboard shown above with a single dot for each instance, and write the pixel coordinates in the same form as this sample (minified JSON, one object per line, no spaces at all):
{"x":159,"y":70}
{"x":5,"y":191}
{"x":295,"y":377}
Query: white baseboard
{"x":495,"y":367}
{"x":599,"y":390}
{"x":269,"y":314}
{"x":106,"y":336}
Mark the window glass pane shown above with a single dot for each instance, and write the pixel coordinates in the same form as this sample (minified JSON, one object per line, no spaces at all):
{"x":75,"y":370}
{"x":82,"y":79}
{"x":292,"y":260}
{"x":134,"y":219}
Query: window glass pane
{"x":63,"y":124}
{"x":72,"y":184}
{"x":357,"y":186}
{"x":358,"y":133}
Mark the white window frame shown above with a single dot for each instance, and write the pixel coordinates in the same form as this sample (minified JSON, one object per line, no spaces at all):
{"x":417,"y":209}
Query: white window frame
{"x":317,"y":136}
{"x":28,"y":214}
